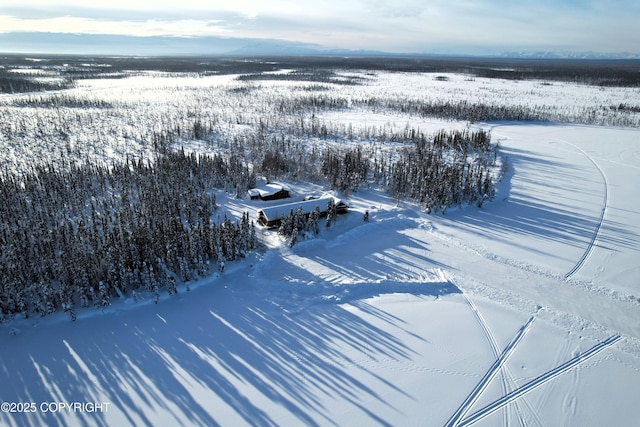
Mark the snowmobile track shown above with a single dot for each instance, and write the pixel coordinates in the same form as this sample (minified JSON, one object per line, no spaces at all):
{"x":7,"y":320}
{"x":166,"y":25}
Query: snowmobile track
{"x":492,"y":342}
{"x":508,"y":379}
{"x":538,"y":381}
{"x":596,"y":233}
{"x":488,"y":376}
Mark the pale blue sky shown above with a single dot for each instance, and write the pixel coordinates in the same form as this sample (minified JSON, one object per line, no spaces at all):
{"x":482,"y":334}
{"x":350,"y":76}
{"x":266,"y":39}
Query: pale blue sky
{"x":400,"y":26}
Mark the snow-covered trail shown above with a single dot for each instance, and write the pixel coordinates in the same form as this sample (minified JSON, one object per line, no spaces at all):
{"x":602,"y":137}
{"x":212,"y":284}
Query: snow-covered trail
{"x":598,"y":228}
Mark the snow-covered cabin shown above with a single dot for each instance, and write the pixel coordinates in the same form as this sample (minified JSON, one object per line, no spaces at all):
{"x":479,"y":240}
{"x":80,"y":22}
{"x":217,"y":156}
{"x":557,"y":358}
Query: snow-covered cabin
{"x":272,"y":215}
{"x":269,"y":192}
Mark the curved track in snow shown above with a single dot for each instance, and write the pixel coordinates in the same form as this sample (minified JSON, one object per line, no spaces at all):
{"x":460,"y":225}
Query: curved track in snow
{"x":596,"y":233}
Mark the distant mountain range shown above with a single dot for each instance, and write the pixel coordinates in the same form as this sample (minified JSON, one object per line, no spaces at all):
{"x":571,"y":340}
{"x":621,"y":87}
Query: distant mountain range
{"x":102,"y":44}
{"x":569,"y":55}
{"x":98,"y":44}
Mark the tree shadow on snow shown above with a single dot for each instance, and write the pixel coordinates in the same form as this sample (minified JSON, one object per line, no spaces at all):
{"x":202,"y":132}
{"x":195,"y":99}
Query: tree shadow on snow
{"x":228,"y":354}
{"x":548,"y":199}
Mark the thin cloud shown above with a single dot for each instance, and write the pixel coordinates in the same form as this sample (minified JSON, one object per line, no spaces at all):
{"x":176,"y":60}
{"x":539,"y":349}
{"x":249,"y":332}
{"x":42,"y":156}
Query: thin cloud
{"x":146,"y":28}
{"x":463,"y":26}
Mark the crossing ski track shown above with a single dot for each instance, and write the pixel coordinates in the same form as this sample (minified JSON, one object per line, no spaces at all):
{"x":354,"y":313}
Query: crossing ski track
{"x":508,"y":379}
{"x":538,"y":381}
{"x":488,"y":376}
{"x":494,"y":348}
{"x":594,"y":238}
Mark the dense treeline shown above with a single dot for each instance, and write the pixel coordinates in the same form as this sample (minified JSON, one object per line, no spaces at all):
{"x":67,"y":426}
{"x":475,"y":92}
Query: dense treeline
{"x":314,"y":75}
{"x":449,"y":169}
{"x":440,"y":170}
{"x":60,"y":100}
{"x":18,"y":83}
{"x":465,"y":110}
{"x":84,"y":235}
{"x":346,"y":171}
{"x":617,"y":72}
{"x":455,"y":157}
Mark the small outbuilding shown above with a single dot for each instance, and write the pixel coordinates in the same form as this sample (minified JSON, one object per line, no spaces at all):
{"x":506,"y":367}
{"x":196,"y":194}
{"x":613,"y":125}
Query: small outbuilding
{"x":272,"y":191}
{"x":272,"y":216}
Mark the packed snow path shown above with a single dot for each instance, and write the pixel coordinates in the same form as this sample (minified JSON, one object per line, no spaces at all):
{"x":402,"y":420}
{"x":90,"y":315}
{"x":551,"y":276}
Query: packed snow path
{"x":596,"y":233}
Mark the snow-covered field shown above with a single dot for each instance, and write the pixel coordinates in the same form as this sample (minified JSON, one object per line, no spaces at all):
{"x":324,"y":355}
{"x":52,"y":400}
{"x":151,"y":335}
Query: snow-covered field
{"x":523,"y":312}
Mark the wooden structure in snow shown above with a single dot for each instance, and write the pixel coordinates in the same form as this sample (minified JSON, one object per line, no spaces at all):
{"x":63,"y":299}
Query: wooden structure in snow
{"x":272,"y":215}
{"x":269,"y":192}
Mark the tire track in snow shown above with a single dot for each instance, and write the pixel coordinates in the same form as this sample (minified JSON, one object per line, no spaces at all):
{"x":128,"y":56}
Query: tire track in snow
{"x":488,"y":376}
{"x":596,"y":233}
{"x":538,"y":381}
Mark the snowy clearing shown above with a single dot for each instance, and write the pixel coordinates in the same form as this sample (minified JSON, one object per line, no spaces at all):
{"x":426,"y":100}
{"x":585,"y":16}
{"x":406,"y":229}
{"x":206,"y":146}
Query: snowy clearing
{"x":523,"y":312}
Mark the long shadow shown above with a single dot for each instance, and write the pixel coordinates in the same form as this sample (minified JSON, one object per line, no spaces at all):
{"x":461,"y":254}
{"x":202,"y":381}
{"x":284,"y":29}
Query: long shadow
{"x":227,"y":352}
{"x":539,"y":207}
{"x":394,"y":255}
